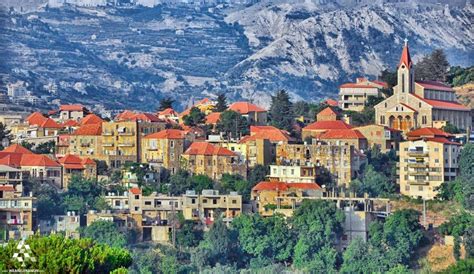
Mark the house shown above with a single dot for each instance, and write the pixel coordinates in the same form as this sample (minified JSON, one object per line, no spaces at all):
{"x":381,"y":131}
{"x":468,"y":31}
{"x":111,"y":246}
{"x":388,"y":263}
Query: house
{"x":17,"y":214}
{"x":293,"y":173}
{"x":254,"y":114}
{"x":213,"y":161}
{"x":86,"y":141}
{"x":351,"y":137}
{"x":314,"y":130}
{"x":327,"y":114}
{"x":383,"y":137}
{"x":72,"y":112}
{"x":13,"y":177}
{"x":420,"y":104}
{"x":76,"y":166}
{"x":355,"y":96}
{"x":169,"y":114}
{"x":91,"y":119}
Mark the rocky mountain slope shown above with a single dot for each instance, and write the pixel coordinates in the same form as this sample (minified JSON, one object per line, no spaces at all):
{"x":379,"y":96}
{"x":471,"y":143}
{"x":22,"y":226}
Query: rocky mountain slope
{"x":132,"y":56}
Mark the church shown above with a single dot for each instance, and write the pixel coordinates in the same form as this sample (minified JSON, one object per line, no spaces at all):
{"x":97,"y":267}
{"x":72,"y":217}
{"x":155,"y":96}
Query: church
{"x":418,"y":104}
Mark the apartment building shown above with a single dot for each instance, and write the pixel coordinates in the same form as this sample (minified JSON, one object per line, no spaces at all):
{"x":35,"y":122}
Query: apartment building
{"x":213,"y":161}
{"x":383,"y":137}
{"x":293,"y":173}
{"x":354,"y":96}
{"x":77,"y":166}
{"x":254,"y":114}
{"x":86,"y":141}
{"x":17,"y":214}
{"x":426,"y":163}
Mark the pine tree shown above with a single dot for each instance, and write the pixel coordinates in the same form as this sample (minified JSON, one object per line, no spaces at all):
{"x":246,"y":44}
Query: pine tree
{"x":221,"y":103}
{"x":433,"y":67}
{"x":165,"y":103}
{"x":281,"y":111}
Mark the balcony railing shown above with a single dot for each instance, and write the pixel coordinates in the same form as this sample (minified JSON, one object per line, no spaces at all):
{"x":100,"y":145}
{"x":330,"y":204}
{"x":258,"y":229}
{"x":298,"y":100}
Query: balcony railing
{"x":418,"y":182}
{"x":415,"y":165}
{"x":126,"y":144}
{"x":127,"y":133}
{"x":414,"y":153}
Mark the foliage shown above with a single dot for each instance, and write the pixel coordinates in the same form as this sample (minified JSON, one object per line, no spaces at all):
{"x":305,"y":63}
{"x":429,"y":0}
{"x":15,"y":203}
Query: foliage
{"x":374,"y":183}
{"x":466,"y":168}
{"x":166,"y":102}
{"x":458,"y":76}
{"x":48,"y":201}
{"x":182,"y":181}
{"x":457,"y":224}
{"x":56,"y":254}
{"x":390,"y":77}
{"x":221,"y":104}
{"x":105,"y":232}
{"x":187,"y":235}
{"x":265,"y":239}
{"x":450,"y":191}
{"x":232,"y":124}
{"x":4,"y":133}
{"x":234,"y":182}
{"x":317,"y":223}
{"x":384,"y":162}
{"x":469,"y":242}
{"x":309,"y":110}
{"x":432,"y":67}
{"x":362,"y":118}
{"x":194,"y":118}
{"x":281,"y":111}
{"x":220,"y":246}
{"x":462,"y":266}
{"x":140,"y":170}
{"x":45,"y":148}
{"x":82,"y":195}
{"x":102,"y":167}
{"x":450,"y":128}
{"x":257,"y":174}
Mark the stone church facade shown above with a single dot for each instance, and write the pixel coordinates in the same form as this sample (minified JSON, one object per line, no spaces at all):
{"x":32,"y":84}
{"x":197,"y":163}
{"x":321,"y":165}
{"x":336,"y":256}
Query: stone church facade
{"x":420,"y":104}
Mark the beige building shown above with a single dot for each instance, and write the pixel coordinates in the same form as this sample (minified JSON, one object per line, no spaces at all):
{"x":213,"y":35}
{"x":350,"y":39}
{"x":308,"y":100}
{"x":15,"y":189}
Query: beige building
{"x":342,"y":161}
{"x":86,"y":141}
{"x":254,"y":114}
{"x":354,"y":96}
{"x":420,"y":104}
{"x":17,"y":214}
{"x":383,"y":137}
{"x":293,"y":173}
{"x":427,"y":162}
{"x":213,"y":161}
{"x":72,"y":112}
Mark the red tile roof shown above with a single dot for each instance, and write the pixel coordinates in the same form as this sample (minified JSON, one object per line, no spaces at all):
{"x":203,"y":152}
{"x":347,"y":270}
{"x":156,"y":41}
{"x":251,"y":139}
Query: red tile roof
{"x":435,"y":85}
{"x":125,"y":115}
{"x":167,"y":134}
{"x":92,"y":129}
{"x":327,"y":111}
{"x":428,"y":132}
{"x":146,"y":117}
{"x":342,"y":134}
{"x":326,"y":125}
{"x":26,"y":159}
{"x":91,"y":119}
{"x":267,"y":133}
{"x":281,"y":186}
{"x":74,"y":162}
{"x":213,"y":118}
{"x":36,"y":118}
{"x":384,"y":84}
{"x":16,"y":148}
{"x":442,"y":140}
{"x":405,"y":58}
{"x":135,"y":190}
{"x":443,"y":104}
{"x":202,"y":148}
{"x":76,"y":107}
{"x":50,"y":123}
{"x":7,"y":188}
{"x":70,"y":123}
{"x":168,"y":111}
{"x":332,"y":103}
{"x":354,"y":85}
{"x":245,"y":107}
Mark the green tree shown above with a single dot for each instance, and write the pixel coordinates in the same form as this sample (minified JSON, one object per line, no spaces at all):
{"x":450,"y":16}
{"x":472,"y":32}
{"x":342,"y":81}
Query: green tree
{"x":374,"y":183}
{"x":4,"y":134}
{"x":317,"y":224}
{"x":182,"y":181}
{"x":450,"y":128}
{"x":281,"y":111}
{"x":432,"y":67}
{"x":105,"y":232}
{"x":466,"y":168}
{"x":187,"y":235}
{"x":82,"y":194}
{"x":461,"y":266}
{"x":390,"y":77}
{"x":221,"y":104}
{"x":166,"y":102}
{"x":56,"y":254}
{"x":233,"y":182}
{"x":357,"y":258}
{"x":257,"y":174}
{"x":45,"y":148}
{"x":459,"y":76}
{"x":232,"y":124}
{"x":201,"y":182}
{"x":102,"y":167}
{"x":450,"y":191}
{"x":48,"y":201}
{"x":194,"y":118}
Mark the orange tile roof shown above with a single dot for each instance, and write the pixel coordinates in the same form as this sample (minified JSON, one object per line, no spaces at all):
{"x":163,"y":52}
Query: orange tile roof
{"x":125,"y":115}
{"x":354,"y":85}
{"x":203,"y":148}
{"x":7,"y":188}
{"x":50,"y":123}
{"x":384,"y":84}
{"x":167,"y":134}
{"x":428,"y":132}
{"x":245,"y":107}
{"x":267,"y":133}
{"x":443,"y":104}
{"x":326,"y":125}
{"x":74,"y":162}
{"x":281,"y":186}
{"x":331,"y":102}
{"x":146,"y":117}
{"x":442,"y":140}
{"x":435,"y":85}
{"x":135,"y":190}
{"x":36,"y":118}
{"x":26,"y":159}
{"x":16,"y":148}
{"x":70,"y":123}
{"x":213,"y":118}
{"x":92,"y":129}
{"x":327,"y":111}
{"x":342,"y":134}
{"x":405,"y":58}
{"x":76,"y":107}
{"x":91,"y":119}
{"x":168,"y":111}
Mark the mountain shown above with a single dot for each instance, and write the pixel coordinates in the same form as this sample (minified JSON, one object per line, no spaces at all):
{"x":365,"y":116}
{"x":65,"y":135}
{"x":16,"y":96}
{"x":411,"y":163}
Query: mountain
{"x":131,"y":56}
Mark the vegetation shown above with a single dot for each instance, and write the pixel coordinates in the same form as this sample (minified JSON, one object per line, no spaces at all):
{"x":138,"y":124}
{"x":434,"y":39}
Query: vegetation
{"x":374,"y":183}
{"x":433,"y":67}
{"x":166,"y":102}
{"x":458,"y":76}
{"x":232,"y":124}
{"x":4,"y":134}
{"x":281,"y":111}
{"x":56,"y":254}
{"x":183,"y":180}
{"x":450,"y":128}
{"x":194,"y":118}
{"x":105,"y":232}
{"x":221,"y":104}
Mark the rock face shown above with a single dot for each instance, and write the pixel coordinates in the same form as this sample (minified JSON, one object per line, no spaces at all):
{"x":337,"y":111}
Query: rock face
{"x":132,"y":56}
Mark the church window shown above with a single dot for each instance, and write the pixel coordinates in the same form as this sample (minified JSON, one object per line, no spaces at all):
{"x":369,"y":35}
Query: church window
{"x":424,"y":120}
{"x":419,"y":105}
{"x":403,"y":83}
{"x":382,"y":120}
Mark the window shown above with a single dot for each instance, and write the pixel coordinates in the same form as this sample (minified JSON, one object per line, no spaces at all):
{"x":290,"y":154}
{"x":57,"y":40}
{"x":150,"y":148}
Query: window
{"x":117,"y":203}
{"x":214,"y":201}
{"x":137,"y":208}
{"x":437,"y":161}
{"x":424,"y":121}
{"x":204,"y":201}
{"x":137,"y":197}
{"x":407,"y":188}
{"x":234,"y":201}
{"x":193,"y":201}
{"x":148,"y":203}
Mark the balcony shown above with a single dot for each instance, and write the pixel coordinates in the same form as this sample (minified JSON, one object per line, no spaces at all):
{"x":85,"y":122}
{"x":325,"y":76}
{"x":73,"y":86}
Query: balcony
{"x":107,"y":133}
{"x":126,"y":144}
{"x":418,"y":172}
{"x":108,"y":144}
{"x":127,"y":133}
{"x":418,"y":165}
{"x":418,"y":182}
{"x":15,"y":222}
{"x":414,"y":153}
{"x":85,"y":145}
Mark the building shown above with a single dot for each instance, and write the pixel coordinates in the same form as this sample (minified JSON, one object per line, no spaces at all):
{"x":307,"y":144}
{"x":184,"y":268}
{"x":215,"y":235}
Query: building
{"x":314,"y":130}
{"x":293,"y":174}
{"x":86,"y":141}
{"x":383,"y":137}
{"x":342,"y":161}
{"x":72,"y":112}
{"x":427,"y":160}
{"x":76,"y":166}
{"x":17,"y":214}
{"x":164,"y":148}
{"x":420,"y":104}
{"x":327,"y":114}
{"x":355,"y":96}
{"x":270,"y":196}
{"x":213,"y":161}
{"x":13,"y":177}
{"x":205,"y":105}
{"x":254,"y":114}
{"x":91,"y":119}
{"x":253,"y":151}
{"x":351,"y":137}
{"x":169,"y":114}
{"x":68,"y":224}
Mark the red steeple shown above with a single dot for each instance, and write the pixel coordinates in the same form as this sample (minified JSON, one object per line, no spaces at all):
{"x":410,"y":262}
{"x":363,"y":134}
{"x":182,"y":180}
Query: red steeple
{"x":406,"y":59}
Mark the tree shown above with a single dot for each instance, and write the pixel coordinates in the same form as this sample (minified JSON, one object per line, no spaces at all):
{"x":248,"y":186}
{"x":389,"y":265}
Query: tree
{"x":82,"y":194}
{"x":257,"y":174}
{"x":105,"y":232}
{"x":221,"y":104}
{"x":56,"y":254}
{"x":4,"y":134}
{"x":201,"y":182}
{"x":45,"y":148}
{"x":466,"y":169}
{"x":234,"y":182}
{"x":232,"y":124}
{"x":102,"y":167}
{"x":461,"y":266}
{"x":432,"y":67}
{"x":187,"y":235}
{"x":374,"y":183}
{"x":317,"y":224}
{"x":390,"y":77}
{"x":450,"y":128}
{"x":220,"y":246}
{"x":459,"y":76}
{"x":182,"y":181}
{"x":194,"y":118}
{"x":357,"y":259}
{"x":281,"y":111}
{"x":166,"y":102}
{"x":48,"y":201}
